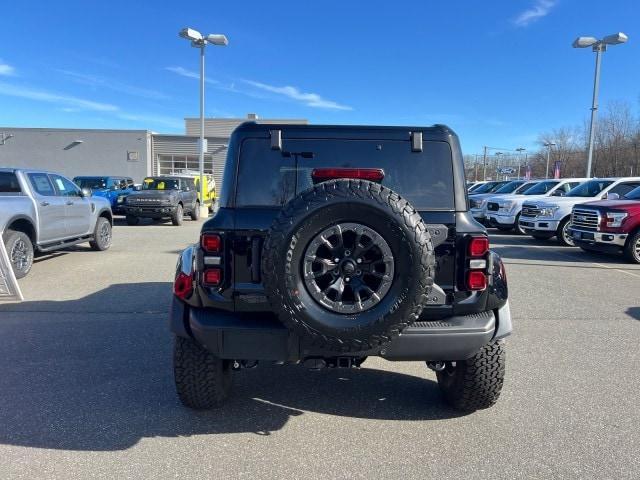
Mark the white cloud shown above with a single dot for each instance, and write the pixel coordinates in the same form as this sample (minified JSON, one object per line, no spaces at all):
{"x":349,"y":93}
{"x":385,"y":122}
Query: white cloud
{"x":538,"y":10}
{"x":101,"y":82}
{"x":293,"y":93}
{"x":6,"y":69}
{"x":50,"y":97}
{"x":171,"y":122}
{"x":190,"y":74}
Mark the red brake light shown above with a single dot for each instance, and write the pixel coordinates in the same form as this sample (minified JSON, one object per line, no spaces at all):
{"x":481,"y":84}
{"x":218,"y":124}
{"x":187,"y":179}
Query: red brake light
{"x":478,"y":246}
{"x":324,"y":174}
{"x":212,"y":276}
{"x":182,"y":285}
{"x":476,"y":280}
{"x":211,"y":242}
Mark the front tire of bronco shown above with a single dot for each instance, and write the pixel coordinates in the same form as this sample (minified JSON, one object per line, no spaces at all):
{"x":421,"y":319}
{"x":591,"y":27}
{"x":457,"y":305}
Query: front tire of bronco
{"x":475,"y":383}
{"x":178,"y":216}
{"x":203,"y":381}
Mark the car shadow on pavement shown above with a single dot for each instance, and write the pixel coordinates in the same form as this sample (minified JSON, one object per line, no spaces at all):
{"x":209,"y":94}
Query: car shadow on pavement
{"x":633,"y":312}
{"x":95,"y":374}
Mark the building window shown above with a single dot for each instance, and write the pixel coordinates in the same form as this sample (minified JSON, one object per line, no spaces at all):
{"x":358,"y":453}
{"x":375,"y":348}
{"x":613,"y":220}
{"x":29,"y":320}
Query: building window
{"x":178,"y":164}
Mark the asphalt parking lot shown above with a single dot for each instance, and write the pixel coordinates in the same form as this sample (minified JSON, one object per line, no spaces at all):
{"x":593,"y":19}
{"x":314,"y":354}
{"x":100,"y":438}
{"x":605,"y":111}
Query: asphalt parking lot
{"x":87,"y":388}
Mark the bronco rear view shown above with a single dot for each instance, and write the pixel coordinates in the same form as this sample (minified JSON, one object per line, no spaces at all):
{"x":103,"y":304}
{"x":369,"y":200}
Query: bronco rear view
{"x":335,"y":243}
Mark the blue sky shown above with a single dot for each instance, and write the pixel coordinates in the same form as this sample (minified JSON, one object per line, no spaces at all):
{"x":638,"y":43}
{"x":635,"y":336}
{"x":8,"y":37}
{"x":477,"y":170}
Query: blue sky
{"x":498,"y":72}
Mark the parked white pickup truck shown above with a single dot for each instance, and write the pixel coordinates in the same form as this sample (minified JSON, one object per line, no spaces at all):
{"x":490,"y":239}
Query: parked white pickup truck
{"x":543,"y":219}
{"x":503,"y":212}
{"x":43,"y":211}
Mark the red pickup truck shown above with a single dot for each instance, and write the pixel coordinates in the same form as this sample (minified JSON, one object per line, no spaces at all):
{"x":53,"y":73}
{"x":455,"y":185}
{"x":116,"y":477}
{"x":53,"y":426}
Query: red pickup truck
{"x":611,"y":225}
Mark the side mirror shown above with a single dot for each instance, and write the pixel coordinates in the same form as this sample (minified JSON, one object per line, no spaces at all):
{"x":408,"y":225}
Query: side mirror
{"x":611,"y":196}
{"x":85,"y":192}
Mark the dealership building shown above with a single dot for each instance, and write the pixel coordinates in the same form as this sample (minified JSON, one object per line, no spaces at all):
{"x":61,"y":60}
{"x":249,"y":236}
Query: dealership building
{"x":130,"y":153}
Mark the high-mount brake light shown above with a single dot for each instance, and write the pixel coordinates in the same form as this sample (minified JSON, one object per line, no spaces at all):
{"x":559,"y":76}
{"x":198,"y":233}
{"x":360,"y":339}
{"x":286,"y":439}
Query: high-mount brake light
{"x":211,"y":242}
{"x":324,"y":174}
{"x":476,"y":280}
{"x":183,"y":285}
{"x":212,"y":277}
{"x":478,"y":246}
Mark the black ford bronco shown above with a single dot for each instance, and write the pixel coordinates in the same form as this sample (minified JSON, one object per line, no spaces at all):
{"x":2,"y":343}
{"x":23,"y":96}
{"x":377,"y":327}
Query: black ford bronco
{"x":335,"y":243}
{"x":163,"y":197}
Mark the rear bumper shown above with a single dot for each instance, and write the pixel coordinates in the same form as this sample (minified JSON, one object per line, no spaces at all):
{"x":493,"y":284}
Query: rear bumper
{"x":250,"y":337}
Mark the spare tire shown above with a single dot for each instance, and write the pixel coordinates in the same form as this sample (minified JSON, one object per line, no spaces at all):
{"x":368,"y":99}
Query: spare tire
{"x":348,"y":264}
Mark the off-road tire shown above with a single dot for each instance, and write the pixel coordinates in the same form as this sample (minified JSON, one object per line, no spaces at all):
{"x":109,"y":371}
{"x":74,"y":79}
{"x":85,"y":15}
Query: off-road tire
{"x":475,"y":383}
{"x":178,"y":215}
{"x":195,"y":213}
{"x":543,"y":236}
{"x":14,"y":239}
{"x":320,"y":207}
{"x":560,"y":233}
{"x":101,"y":240}
{"x":203,"y":381}
{"x":630,"y":249}
{"x":133,"y":220}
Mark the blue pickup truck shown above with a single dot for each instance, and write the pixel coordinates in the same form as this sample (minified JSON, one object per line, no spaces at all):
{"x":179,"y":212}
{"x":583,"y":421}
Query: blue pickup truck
{"x":114,"y":189}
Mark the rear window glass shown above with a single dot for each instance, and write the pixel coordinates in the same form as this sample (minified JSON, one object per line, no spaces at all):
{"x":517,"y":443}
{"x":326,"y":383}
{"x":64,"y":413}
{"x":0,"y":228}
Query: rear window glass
{"x":9,"y":183}
{"x":41,"y":184}
{"x":424,"y":178}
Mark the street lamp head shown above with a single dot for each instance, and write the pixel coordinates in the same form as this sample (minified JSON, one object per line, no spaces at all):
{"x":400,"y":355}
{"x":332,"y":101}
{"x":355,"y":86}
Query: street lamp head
{"x":191,"y":34}
{"x":217,"y":39}
{"x":550,"y":144}
{"x":584,"y":42}
{"x":615,"y":39}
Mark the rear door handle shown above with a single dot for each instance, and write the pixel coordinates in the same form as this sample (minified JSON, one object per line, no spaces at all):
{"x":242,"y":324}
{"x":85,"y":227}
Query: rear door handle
{"x":44,"y":204}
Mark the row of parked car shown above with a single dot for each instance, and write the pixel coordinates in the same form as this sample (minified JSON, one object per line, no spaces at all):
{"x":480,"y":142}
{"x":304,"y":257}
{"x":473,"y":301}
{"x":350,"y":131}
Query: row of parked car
{"x":44,"y":211}
{"x":598,"y":214}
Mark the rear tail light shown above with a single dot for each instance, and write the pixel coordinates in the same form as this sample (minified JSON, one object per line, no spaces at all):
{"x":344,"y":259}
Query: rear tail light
{"x":324,"y":174}
{"x":476,"y":280}
{"x":212,"y":277}
{"x":183,"y":285}
{"x":476,"y":271}
{"x":211,"y":242}
{"x":478,"y":246}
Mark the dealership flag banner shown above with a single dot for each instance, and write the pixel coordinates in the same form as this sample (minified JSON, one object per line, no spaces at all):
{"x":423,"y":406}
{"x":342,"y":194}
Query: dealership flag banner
{"x":9,"y":289}
{"x":556,"y":170}
{"x":527,"y":173}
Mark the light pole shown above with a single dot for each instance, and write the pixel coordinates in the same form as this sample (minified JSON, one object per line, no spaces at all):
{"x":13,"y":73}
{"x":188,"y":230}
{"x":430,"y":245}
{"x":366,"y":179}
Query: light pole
{"x":200,"y":41}
{"x":598,"y":46}
{"x":498,"y":154}
{"x":548,"y":145}
{"x":519,"y":150}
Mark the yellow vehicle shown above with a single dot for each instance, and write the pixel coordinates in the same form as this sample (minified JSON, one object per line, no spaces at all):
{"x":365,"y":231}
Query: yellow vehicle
{"x":209,"y":186}
{"x":209,"y":189}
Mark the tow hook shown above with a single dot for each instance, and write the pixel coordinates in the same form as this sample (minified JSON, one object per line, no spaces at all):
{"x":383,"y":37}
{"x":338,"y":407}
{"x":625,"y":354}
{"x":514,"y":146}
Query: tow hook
{"x":436,"y":366}
{"x":248,"y":364}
